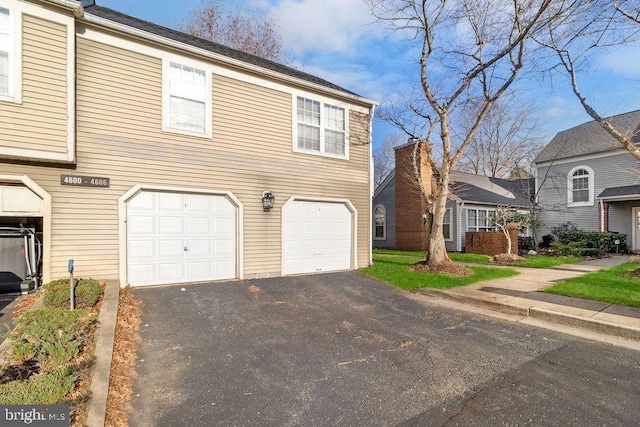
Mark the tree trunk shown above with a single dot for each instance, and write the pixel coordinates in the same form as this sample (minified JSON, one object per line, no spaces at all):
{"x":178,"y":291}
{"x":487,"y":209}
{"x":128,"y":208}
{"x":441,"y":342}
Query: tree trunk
{"x":436,"y":249}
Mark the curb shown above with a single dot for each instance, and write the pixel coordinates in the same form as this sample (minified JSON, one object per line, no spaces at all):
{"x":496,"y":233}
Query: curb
{"x":586,"y":323}
{"x":478,"y":302}
{"x":599,"y":326}
{"x":105,"y":334}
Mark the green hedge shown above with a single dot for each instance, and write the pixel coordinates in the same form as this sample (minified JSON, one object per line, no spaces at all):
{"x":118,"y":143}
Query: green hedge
{"x":604,"y":241}
{"x":87,"y":292}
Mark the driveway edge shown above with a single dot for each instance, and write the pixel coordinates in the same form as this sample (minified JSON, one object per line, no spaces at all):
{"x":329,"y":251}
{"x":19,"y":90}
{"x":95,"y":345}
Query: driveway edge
{"x":105,"y":336}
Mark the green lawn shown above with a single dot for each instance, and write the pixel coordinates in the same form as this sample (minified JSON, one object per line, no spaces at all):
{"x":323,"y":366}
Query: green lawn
{"x":610,"y":285}
{"x":395,"y":270}
{"x":537,"y":261}
{"x":455,"y":256}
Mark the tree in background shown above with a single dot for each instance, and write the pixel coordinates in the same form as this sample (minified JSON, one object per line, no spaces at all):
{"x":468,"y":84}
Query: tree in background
{"x":470,"y":53}
{"x":505,"y":140}
{"x":257,"y":35}
{"x":595,"y":25}
{"x":384,"y":157}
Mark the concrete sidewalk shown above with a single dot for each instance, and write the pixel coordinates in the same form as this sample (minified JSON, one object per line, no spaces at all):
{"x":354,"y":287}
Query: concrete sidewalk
{"x":520,"y":296}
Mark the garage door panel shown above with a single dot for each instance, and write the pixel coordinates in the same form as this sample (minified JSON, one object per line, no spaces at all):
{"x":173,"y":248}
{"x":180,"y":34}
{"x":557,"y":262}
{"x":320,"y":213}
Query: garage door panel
{"x":171,"y":272}
{"x":199,"y":225}
{"x":170,"y":202}
{"x":142,"y":201}
{"x":170,"y":249}
{"x":145,"y":249}
{"x":162,"y":225}
{"x":317,"y":237}
{"x":199,"y":203}
{"x":171,"y":225}
{"x":143,"y":224}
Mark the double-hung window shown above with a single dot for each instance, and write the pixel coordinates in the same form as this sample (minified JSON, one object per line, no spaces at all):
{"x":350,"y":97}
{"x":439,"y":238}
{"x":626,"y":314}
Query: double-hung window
{"x":6,"y":53}
{"x":321,"y":128}
{"x":187,"y":103}
{"x":580,"y":186}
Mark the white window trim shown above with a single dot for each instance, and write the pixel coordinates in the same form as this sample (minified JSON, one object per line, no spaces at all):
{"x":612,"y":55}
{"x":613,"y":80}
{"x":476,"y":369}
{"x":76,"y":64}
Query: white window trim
{"x":450,"y":239}
{"x":590,"y":176}
{"x":166,"y":96}
{"x":322,"y":101}
{"x":384,"y":226}
{"x":488,"y":210}
{"x":15,"y":54}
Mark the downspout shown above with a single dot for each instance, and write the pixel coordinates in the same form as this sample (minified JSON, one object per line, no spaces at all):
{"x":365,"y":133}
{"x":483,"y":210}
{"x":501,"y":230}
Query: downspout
{"x":460,"y":206}
{"x":372,"y":111}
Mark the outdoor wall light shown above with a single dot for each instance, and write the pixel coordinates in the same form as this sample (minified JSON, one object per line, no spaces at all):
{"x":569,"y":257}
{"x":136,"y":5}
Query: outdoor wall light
{"x":267,"y":200}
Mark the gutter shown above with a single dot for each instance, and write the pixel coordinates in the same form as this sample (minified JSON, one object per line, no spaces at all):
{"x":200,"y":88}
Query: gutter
{"x":74,"y":6}
{"x":102,"y":22}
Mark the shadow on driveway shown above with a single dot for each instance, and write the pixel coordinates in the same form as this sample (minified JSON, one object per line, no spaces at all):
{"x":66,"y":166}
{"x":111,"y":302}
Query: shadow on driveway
{"x":327,"y":349}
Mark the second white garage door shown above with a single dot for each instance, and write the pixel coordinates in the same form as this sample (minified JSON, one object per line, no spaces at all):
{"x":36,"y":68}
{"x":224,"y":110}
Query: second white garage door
{"x":317,"y":237}
{"x":177,"y":237}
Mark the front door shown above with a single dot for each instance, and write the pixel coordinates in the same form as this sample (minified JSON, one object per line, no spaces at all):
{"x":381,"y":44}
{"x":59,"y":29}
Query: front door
{"x":636,"y":229}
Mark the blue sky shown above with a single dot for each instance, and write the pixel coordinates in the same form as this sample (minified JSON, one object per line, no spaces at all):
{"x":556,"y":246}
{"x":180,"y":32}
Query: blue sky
{"x":338,"y":40}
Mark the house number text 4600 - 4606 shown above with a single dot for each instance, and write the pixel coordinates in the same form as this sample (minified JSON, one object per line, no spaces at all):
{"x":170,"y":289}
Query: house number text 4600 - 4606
{"x":84,"y":181}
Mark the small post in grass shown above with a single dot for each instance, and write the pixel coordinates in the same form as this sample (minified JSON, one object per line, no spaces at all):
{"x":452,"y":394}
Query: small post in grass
{"x":71,"y":296}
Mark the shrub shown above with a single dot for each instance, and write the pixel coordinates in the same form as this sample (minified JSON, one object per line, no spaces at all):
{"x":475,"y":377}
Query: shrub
{"x":525,"y":244}
{"x":561,"y":228}
{"x":50,"y":336}
{"x":87,"y":292}
{"x":547,"y":240}
{"x":604,"y":241}
{"x":44,"y":389}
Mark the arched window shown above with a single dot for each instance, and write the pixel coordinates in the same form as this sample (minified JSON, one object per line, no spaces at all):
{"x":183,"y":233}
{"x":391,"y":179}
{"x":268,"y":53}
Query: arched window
{"x":380,"y":223}
{"x":580,"y":186}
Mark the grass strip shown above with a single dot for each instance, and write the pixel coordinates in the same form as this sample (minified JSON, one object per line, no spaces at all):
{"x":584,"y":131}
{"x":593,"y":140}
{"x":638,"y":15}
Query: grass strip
{"x":613,"y":285}
{"x":395,"y":271}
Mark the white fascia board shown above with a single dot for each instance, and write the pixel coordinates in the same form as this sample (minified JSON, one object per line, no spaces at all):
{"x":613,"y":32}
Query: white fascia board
{"x":221,"y":58}
{"x":581,"y":158}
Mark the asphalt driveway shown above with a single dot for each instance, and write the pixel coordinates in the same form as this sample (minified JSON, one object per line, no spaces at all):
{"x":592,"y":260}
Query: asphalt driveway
{"x":332,"y":349}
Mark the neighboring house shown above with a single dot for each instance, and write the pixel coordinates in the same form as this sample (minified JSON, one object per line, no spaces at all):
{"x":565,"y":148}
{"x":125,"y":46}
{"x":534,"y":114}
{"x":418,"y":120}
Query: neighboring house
{"x":398,"y":206}
{"x":585,"y":177}
{"x":144,"y":153}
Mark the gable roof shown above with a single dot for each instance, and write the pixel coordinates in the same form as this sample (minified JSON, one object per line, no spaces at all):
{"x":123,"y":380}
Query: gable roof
{"x":590,"y":138}
{"x":492,"y":191}
{"x":389,"y":178}
{"x":214,"y":48}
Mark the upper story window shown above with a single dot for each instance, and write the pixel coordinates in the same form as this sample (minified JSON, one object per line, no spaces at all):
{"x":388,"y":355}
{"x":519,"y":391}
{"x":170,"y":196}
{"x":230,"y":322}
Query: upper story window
{"x":6,"y":52}
{"x":321,"y":128}
{"x":380,"y":223}
{"x":580,"y":186}
{"x":480,"y":220}
{"x":187,"y":99}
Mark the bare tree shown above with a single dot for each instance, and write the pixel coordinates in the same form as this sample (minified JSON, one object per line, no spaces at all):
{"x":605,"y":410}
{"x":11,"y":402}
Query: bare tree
{"x":384,"y":156}
{"x":505,"y":140}
{"x":504,"y":216}
{"x":257,"y":35}
{"x":594,"y":25}
{"x":471,"y":52}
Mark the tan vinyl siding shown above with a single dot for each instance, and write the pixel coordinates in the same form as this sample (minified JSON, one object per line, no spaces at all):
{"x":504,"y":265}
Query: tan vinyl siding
{"x":40,"y":122}
{"x":119,"y":135}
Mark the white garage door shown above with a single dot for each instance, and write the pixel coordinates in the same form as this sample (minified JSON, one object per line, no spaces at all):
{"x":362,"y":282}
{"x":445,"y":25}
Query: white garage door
{"x":173,"y":238}
{"x":317,"y":237}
